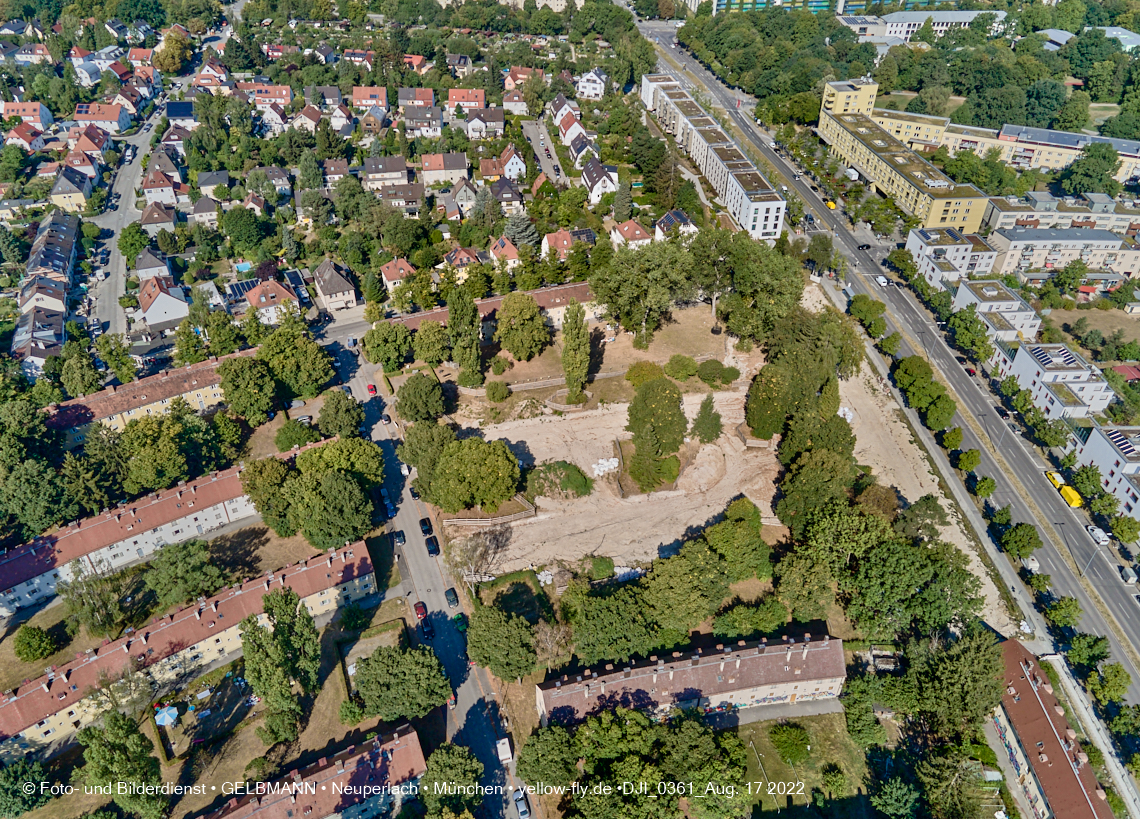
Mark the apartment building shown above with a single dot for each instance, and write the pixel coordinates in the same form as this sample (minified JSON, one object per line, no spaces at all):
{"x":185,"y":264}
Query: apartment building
{"x":751,"y":200}
{"x":54,"y":248}
{"x":916,"y":186}
{"x":1024,"y":251}
{"x":439,"y":169}
{"x":44,"y":715}
{"x":199,"y":385}
{"x":380,"y":171}
{"x":1041,"y":209}
{"x":1115,"y":451}
{"x":1054,"y":773}
{"x":1007,"y":316}
{"x":1060,"y":381}
{"x":731,"y":676}
{"x":905,"y":24}
{"x":361,"y":782}
{"x":947,"y":256}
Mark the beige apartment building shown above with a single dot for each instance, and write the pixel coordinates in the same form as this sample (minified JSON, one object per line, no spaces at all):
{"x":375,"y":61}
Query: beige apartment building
{"x":897,"y":172}
{"x":1041,"y":209}
{"x":1033,"y":254}
{"x":44,"y":715}
{"x":739,"y":675}
{"x":199,"y":385}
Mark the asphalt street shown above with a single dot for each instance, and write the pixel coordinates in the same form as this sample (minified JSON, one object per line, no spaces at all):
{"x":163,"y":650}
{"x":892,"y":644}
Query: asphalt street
{"x":536,"y":132}
{"x":476,"y":721}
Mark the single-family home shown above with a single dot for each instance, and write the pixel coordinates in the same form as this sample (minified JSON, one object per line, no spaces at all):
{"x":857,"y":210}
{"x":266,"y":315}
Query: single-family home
{"x":270,"y":300}
{"x":205,"y":212}
{"x":591,"y":85}
{"x":465,"y":194}
{"x":77,"y":55}
{"x":173,"y":139}
{"x":341,"y":120}
{"x":515,"y":103}
{"x":486,"y":123}
{"x":395,"y":272}
{"x":323,"y":96}
{"x":263,"y":95}
{"x":158,"y":187}
{"x":418,"y":63}
{"x":380,"y":171}
{"x":630,"y":233}
{"x":423,"y":122}
{"x":38,"y":336}
{"x":443,"y":168}
{"x":560,"y":241}
{"x":181,"y":113}
{"x":71,"y":190}
{"x":158,"y":216}
{"x":407,"y":198}
{"x":34,"y":112}
{"x":255,"y":202}
{"x":307,"y":119}
{"x":33,"y":54}
{"x":518,"y":75}
{"x":151,"y":263}
{"x":559,"y":107}
{"x":581,"y":149}
{"x":373,"y":120}
{"x":370,"y":96}
{"x":87,"y":74}
{"x":460,"y":65}
{"x":598,"y":179}
{"x":325,"y":54}
{"x":212,"y":75}
{"x":332,"y":171}
{"x":503,"y":251}
{"x":508,"y":195}
{"x":415,"y":98}
{"x":334,"y":290}
{"x":27,"y":137}
{"x":113,"y":119}
{"x":278,"y":178}
{"x":209,"y":180}
{"x":163,"y":303}
{"x":674,"y":222}
{"x":83,"y":163}
{"x":139,"y":57}
{"x":463,"y":257}
{"x":361,"y":57}
{"x":117,"y":29}
{"x":463,"y":100}
{"x":569,"y":129}
{"x":274,"y":119}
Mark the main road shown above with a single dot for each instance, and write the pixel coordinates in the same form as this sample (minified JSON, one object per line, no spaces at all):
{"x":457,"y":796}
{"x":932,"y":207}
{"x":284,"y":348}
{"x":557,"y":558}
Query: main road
{"x":477,"y":720}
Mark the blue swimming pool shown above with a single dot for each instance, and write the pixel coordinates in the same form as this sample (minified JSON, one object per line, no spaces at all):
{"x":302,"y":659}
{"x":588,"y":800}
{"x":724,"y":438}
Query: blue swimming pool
{"x":242,"y":267}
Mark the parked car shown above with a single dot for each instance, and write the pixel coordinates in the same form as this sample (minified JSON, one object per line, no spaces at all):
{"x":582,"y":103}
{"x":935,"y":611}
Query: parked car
{"x":1098,"y":535}
{"x":412,"y":491}
{"x":1055,"y":479}
{"x":371,"y":389}
{"x":432,"y":546}
{"x":428,"y":630}
{"x":521,"y":805}
{"x":421,"y":610}
{"x":399,"y":538}
{"x":452,"y":598}
{"x":425,"y":526}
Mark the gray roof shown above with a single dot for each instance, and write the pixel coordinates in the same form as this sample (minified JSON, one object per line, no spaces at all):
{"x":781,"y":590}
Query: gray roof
{"x":385,"y":164}
{"x":150,"y":260}
{"x":329,"y":279}
{"x":204,"y":205}
{"x":208,"y":178}
{"x":1066,"y":138}
{"x":157,"y":213}
{"x":1058,"y":234}
{"x":488,"y":115}
{"x":593,"y":172}
{"x":70,"y":181}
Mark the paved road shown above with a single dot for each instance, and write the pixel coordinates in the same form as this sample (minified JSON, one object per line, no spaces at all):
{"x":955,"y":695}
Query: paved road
{"x":535,"y":132}
{"x":475,"y":721}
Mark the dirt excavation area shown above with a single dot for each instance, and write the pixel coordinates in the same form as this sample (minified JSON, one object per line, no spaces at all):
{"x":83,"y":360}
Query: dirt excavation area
{"x":637,"y":528}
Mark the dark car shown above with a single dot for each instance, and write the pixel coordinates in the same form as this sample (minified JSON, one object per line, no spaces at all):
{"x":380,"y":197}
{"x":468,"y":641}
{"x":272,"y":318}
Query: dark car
{"x":428,"y":630}
{"x":971,"y":371}
{"x":425,"y":526}
{"x":421,"y":610}
{"x":398,"y":537}
{"x":432,"y":546}
{"x":1002,"y":413}
{"x":452,"y":598}
{"x":864,"y":247}
{"x":385,"y":420}
{"x":412,"y":491}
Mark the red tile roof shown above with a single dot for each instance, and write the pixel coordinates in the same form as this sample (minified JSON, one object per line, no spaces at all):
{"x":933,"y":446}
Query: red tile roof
{"x":68,"y":684}
{"x":331,"y":786}
{"x":397,"y":270}
{"x":631,"y":231}
{"x":547,"y":298}
{"x":1038,"y":718}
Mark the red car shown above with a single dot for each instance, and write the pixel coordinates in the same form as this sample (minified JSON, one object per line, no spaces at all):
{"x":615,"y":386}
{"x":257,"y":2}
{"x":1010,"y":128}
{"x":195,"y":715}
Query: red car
{"x":371,"y":389}
{"x":421,"y":610}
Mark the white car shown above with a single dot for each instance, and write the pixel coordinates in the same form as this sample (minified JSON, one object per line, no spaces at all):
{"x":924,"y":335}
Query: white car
{"x":521,"y":804}
{"x":1098,"y":535}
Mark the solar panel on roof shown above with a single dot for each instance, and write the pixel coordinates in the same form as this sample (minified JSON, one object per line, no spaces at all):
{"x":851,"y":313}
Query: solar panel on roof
{"x":237,"y":290}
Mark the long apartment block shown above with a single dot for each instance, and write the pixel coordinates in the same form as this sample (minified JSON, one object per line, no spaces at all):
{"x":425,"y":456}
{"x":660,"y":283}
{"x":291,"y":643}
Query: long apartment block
{"x":44,"y":715}
{"x":1032,"y":254}
{"x":199,"y":385}
{"x":896,"y":171}
{"x":125,"y":535}
{"x":1115,"y":451}
{"x":362,"y":782}
{"x":1040,"y":209}
{"x":751,"y":200}
{"x":1060,"y":381}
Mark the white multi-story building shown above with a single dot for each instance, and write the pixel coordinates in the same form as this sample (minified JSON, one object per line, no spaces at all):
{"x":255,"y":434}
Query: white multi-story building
{"x":1040,"y":209}
{"x":944,"y":255}
{"x":1061,"y":382}
{"x":1033,"y":254}
{"x":1006,"y":315}
{"x":1115,"y":451}
{"x":751,"y":200}
{"x":45,"y":714}
{"x":905,"y":24}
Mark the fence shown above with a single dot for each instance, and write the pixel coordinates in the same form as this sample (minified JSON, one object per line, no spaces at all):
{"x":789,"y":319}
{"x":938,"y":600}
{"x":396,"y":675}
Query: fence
{"x":528,"y":512}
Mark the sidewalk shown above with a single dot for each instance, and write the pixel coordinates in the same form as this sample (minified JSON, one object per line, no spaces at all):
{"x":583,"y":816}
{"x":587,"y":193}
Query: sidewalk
{"x":779,"y":710}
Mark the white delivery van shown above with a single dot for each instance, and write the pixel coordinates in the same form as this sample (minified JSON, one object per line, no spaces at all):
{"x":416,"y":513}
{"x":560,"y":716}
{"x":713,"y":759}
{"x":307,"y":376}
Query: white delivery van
{"x":1129,"y":575}
{"x":503,"y":746}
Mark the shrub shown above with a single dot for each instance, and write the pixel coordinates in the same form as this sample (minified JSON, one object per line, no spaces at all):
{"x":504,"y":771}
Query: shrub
{"x":681,"y":367}
{"x":728,"y":375}
{"x":498,"y":391}
{"x":791,"y":742}
{"x":350,"y":712}
{"x":560,"y":474}
{"x":294,"y":433}
{"x":499,"y":365}
{"x":354,"y":618}
{"x":601,"y":568}
{"x":643,"y":372}
{"x":33,"y":643}
{"x":710,"y":372}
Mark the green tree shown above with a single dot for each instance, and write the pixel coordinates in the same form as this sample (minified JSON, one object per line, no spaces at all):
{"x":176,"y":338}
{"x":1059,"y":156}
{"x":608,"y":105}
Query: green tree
{"x":623,"y":203}
{"x":132,"y":241}
{"x":397,"y":683}
{"x":423,"y":445}
{"x":521,"y":328}
{"x":33,"y":643}
{"x":1021,"y":540}
{"x":329,"y":510}
{"x":950,"y":785}
{"x":295,"y":634}
{"x":296,"y":361}
{"x":657,"y":404}
{"x":388,"y":344}
{"x":502,"y":642}
{"x":340,"y":415}
{"x":969,"y":333}
{"x":474,"y":472}
{"x":812,"y":480}
{"x":1110,"y":683}
{"x":114,"y":351}
{"x":249,"y":388}
{"x":804,"y":587}
{"x":464,"y":326}
{"x":181,"y":572}
{"x":79,"y":376}
{"x":420,"y":399}
{"x":707,"y":425}
{"x":575,"y":350}
{"x":294,"y":433}
{"x":118,"y":751}
{"x":520,"y":230}
{"x":189,"y":348}
{"x":264,"y":482}
{"x":952,"y":439}
{"x":1126,"y":528}
{"x":745,"y":620}
{"x":1064,"y":612}
{"x":431,"y":343}
{"x":969,"y":460}
{"x":984,"y":486}
{"x":896,"y":799}
{"x":14,"y":800}
{"x":1093,"y":171}
{"x":639,"y":287}
{"x":1087,"y":650}
{"x":451,"y":771}
{"x":549,"y":757}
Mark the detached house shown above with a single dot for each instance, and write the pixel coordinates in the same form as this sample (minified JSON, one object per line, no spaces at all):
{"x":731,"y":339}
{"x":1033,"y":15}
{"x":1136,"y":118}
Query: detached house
{"x":395,"y":272}
{"x":205,"y":212}
{"x":465,"y":100}
{"x":486,"y":123}
{"x":444,"y":168}
{"x":306,"y":119}
{"x":570,"y":129}
{"x":334,"y":289}
{"x":269,"y":299}
{"x":158,"y":216}
{"x":630,"y":233}
{"x":591,"y":85}
{"x":504,"y":251}
{"x":460,"y":65}
{"x":515,"y":103}
{"x":372,"y":123}
{"x":423,"y":122}
{"x":508,"y":196}
{"x":151,"y":263}
{"x":34,"y":112}
{"x":380,"y":171}
{"x":158,"y":187}
{"x":415,"y":98}
{"x":163,"y":303}
{"x":518,"y":75}
{"x":113,"y":119}
{"x":26,"y":136}
{"x":71,"y":190}
{"x":599,"y":179}
{"x":370,"y":97}
{"x":209,"y":180}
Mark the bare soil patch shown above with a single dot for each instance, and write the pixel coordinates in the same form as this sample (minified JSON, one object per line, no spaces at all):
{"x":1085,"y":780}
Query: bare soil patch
{"x":258,"y":549}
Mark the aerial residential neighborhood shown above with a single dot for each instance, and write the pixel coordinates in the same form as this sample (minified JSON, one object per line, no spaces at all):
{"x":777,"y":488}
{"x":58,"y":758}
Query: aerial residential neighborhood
{"x":580,"y":409}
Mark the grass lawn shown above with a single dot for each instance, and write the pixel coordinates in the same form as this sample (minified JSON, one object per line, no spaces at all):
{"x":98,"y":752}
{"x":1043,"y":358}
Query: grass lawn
{"x":1107,"y":321}
{"x":830,"y":744}
{"x":14,"y":671}
{"x":255,"y":550}
{"x":518,"y":593}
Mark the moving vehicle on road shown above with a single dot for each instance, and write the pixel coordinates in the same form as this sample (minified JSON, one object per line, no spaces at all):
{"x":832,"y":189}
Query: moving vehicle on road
{"x":1056,"y":479}
{"x":1098,"y":535}
{"x":881,"y":281}
{"x":421,"y":610}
